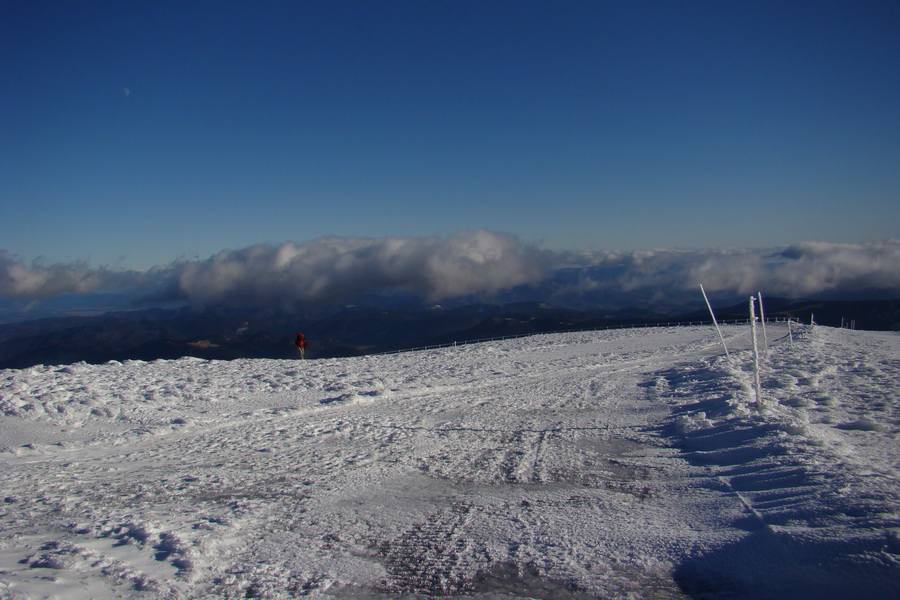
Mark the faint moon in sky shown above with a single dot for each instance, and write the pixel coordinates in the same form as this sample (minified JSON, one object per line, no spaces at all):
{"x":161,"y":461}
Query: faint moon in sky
{"x":126,"y":91}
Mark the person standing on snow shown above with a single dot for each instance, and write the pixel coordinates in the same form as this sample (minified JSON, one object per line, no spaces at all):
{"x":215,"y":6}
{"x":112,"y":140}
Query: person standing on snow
{"x":300,"y":342}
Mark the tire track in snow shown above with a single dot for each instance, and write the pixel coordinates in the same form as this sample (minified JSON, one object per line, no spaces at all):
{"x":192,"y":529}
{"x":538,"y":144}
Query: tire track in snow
{"x":432,"y":557}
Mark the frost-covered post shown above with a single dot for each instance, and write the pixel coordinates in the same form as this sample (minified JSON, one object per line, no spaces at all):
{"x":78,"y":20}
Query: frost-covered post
{"x":716,"y":323}
{"x":755,"y":352}
{"x":762,"y":318}
{"x":791,"y":331}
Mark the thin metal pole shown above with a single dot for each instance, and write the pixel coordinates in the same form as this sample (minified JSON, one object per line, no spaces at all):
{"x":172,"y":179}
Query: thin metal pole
{"x":716,"y":323}
{"x":762,"y":318}
{"x":755,"y":351}
{"x":791,"y":332}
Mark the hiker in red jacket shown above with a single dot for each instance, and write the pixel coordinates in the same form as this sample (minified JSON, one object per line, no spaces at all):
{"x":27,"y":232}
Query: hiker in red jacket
{"x":300,"y":342}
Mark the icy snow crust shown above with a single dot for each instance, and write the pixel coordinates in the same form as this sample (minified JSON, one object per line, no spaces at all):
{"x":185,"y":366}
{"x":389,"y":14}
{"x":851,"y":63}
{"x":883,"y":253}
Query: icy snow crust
{"x":616,"y":464}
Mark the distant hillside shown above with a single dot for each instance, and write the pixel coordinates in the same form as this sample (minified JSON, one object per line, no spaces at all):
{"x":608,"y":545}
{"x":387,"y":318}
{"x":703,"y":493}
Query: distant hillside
{"x":879,"y":315}
{"x":222,"y":333}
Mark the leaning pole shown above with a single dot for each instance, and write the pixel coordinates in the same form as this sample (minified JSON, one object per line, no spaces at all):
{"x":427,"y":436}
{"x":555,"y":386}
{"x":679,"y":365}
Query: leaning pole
{"x":716,"y":323}
{"x":762,"y":320}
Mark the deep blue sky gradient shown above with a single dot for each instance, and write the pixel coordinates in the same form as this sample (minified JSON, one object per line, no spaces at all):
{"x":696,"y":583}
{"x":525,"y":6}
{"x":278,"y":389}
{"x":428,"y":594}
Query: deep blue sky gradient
{"x":137,"y":133}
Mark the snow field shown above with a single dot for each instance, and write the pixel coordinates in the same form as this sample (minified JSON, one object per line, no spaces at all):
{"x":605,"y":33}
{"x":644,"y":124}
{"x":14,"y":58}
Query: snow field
{"x":627,"y":464}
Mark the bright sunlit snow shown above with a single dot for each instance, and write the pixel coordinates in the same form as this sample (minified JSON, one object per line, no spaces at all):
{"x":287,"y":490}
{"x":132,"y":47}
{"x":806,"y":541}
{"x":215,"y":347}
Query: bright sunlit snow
{"x":612,"y":464}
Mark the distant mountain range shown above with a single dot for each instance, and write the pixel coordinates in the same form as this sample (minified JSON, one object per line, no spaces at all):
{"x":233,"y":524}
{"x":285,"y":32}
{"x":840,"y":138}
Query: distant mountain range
{"x":230,"y":333}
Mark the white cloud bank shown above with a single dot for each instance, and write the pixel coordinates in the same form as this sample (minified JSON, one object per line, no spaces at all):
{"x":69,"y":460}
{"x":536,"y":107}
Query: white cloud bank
{"x":804,"y":269}
{"x":38,"y":280}
{"x":331,"y":269}
{"x":474,"y":262}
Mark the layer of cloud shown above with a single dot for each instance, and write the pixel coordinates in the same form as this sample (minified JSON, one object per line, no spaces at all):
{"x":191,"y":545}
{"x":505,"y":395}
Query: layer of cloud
{"x":38,"y":280}
{"x":335,"y":269}
{"x":801,"y":270}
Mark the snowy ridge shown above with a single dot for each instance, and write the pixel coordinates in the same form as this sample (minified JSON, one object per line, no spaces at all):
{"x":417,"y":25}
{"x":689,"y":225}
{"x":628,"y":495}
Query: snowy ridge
{"x":576,"y":330}
{"x":627,"y":463}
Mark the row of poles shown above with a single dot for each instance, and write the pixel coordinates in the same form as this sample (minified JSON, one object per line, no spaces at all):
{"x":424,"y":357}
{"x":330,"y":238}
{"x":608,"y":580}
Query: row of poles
{"x":762,"y":317}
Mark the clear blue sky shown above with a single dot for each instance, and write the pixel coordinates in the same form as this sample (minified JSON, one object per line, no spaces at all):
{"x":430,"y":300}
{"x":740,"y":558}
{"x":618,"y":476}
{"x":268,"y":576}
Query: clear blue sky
{"x":140,"y":132}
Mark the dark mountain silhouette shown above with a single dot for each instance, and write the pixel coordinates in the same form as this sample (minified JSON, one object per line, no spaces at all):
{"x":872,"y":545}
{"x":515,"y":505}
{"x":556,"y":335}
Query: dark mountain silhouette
{"x":881,"y":315}
{"x":229,"y":333}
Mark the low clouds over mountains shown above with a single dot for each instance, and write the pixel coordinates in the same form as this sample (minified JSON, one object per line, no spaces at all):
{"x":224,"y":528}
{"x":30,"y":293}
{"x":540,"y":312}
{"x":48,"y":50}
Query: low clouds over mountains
{"x":800,"y":270}
{"x":336,"y":269}
{"x":473,"y":263}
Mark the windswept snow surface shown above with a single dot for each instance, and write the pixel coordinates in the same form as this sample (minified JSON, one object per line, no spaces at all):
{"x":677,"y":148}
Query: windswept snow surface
{"x":612,"y":464}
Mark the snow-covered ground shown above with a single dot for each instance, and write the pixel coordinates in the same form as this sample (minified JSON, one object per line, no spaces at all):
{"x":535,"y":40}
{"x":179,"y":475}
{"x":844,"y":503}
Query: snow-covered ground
{"x":613,"y":464}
